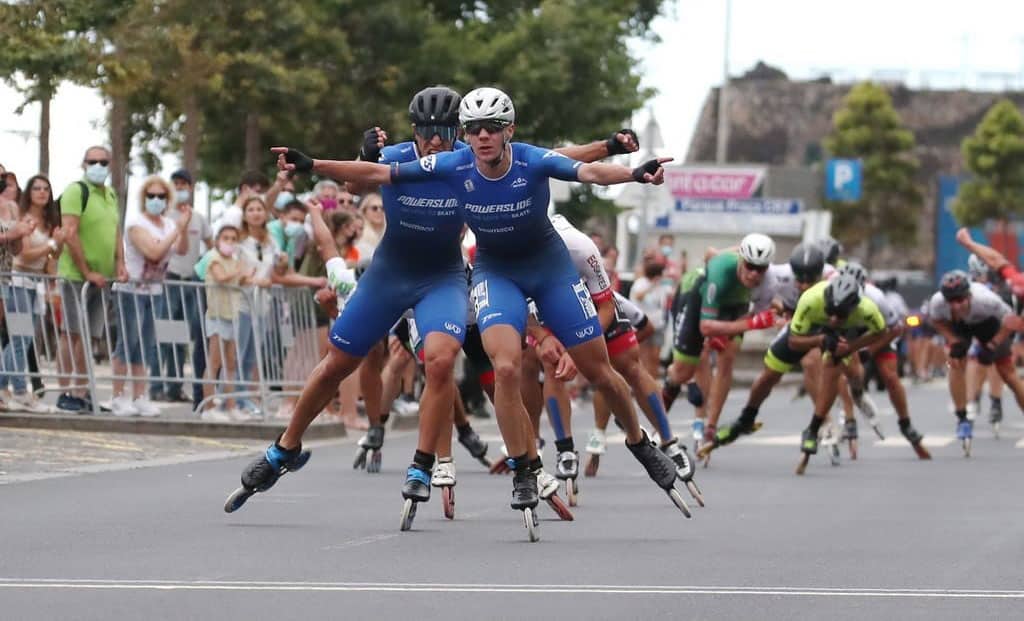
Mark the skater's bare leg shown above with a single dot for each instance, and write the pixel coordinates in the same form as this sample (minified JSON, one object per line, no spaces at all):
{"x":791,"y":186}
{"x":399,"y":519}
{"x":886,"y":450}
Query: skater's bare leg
{"x":602,"y":414}
{"x":1009,"y":374}
{"x":995,"y":383}
{"x":556,"y":399}
{"x":811,"y":363}
{"x":645,"y":390}
{"x":591,"y":360}
{"x":371,"y":385}
{"x":976,"y":374}
{"x":722,"y":381}
{"x":320,"y":388}
{"x":503,"y":345}
{"x":958,"y":383}
{"x":897,"y":393}
{"x":438,"y":399}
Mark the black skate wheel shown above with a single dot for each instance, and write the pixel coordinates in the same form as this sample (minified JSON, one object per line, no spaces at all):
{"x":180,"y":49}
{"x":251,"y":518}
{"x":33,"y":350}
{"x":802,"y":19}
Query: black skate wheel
{"x":802,"y":466}
{"x":237,"y":498}
{"x":360,"y":461}
{"x":678,"y":501}
{"x":448,"y":501}
{"x":695,"y":492}
{"x":408,"y":513}
{"x":532,"y":527}
{"x":373,"y":465}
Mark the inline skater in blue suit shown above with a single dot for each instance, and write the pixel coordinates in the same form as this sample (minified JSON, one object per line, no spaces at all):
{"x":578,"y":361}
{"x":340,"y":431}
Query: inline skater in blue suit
{"x":503,"y":189}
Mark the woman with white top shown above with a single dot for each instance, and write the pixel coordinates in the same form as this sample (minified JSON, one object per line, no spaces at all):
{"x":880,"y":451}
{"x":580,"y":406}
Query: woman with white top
{"x":37,"y":208}
{"x":149,"y":239}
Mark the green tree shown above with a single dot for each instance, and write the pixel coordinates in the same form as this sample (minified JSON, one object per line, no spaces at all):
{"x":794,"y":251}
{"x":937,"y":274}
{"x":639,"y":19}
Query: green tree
{"x":994,"y":155}
{"x":867,"y":127}
{"x":41,"y":46}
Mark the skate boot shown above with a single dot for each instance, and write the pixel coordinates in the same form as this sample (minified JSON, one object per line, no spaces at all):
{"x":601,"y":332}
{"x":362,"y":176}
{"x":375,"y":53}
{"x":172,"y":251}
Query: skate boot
{"x":850,"y":435}
{"x":914,"y":437}
{"x":596,"y":446}
{"x":729,"y":434}
{"x":965,"y":433}
{"x":698,"y":432}
{"x":525,"y":498}
{"x":416,"y":489}
{"x":830,"y":439}
{"x":995,"y":416}
{"x":869,"y":411}
{"x":808,"y":447}
{"x":368,"y":456}
{"x":262,"y":473}
{"x":684,"y":467}
{"x":476,"y":447}
{"x":660,"y":468}
{"x":547,"y":490}
{"x":567,"y":469}
{"x":444,"y":477}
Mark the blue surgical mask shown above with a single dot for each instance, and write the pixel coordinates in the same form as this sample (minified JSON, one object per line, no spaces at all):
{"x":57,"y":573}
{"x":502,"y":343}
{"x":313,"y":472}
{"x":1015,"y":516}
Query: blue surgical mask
{"x":293,"y":229}
{"x":183,"y":196}
{"x":156,"y":206}
{"x":666,"y":250}
{"x":283,"y":199}
{"x":96,"y":173}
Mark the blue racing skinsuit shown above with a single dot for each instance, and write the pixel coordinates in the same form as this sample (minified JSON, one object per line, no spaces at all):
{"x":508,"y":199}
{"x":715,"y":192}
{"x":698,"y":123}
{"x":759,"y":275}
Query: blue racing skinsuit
{"x":417,"y":265}
{"x":519,"y":253}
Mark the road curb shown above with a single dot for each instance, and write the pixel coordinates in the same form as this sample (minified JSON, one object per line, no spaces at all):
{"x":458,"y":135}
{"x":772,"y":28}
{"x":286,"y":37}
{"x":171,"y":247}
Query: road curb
{"x":156,"y":426}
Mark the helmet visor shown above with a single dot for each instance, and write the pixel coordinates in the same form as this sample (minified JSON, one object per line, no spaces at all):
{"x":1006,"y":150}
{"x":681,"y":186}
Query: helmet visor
{"x":493,"y":126}
{"x":447,"y":133}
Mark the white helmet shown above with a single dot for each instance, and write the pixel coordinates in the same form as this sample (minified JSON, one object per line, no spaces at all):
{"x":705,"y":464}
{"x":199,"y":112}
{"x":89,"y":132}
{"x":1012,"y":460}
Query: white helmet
{"x":976,"y":267}
{"x":486,"y":104}
{"x":757,"y":249}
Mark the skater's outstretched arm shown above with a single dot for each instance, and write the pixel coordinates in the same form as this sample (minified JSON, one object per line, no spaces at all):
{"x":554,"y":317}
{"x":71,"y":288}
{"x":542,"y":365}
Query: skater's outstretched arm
{"x":622,"y":141}
{"x":339,"y":170}
{"x":992,"y":257}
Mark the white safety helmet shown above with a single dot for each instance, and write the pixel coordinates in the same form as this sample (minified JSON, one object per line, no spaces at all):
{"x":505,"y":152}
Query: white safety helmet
{"x":486,"y":104}
{"x":757,"y":249}
{"x":976,"y":267}
{"x":856,"y":270}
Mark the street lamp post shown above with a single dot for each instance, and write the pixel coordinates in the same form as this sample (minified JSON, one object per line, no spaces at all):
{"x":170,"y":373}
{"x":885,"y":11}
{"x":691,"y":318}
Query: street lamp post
{"x":722,"y":145}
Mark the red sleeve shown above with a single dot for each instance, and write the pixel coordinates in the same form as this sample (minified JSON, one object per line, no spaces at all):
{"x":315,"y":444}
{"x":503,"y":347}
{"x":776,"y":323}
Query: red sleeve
{"x":1008,"y":272}
{"x":602,"y":296}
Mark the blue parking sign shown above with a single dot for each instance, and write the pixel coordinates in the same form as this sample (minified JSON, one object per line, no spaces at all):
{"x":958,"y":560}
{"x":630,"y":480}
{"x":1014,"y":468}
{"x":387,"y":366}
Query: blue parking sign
{"x":843,"y":180}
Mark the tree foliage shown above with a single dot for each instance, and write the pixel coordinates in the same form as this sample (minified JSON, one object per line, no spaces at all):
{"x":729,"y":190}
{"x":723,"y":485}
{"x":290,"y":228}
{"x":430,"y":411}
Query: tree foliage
{"x":994,"y":155}
{"x":867,"y":127}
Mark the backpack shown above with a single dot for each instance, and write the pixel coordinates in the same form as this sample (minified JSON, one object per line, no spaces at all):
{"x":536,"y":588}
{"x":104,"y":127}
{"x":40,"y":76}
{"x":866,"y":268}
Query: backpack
{"x":85,"y":196}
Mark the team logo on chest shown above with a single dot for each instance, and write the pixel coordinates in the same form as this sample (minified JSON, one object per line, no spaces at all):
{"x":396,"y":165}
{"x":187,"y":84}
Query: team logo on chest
{"x":520,"y":182}
{"x":469,"y":185}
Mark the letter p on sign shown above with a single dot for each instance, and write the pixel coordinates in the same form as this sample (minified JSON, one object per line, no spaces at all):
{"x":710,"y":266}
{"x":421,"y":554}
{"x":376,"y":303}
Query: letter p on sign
{"x":843,"y":180}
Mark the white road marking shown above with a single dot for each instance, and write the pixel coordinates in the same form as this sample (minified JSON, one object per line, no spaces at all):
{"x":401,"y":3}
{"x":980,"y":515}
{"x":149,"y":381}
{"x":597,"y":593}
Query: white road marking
{"x":412,"y":587}
{"x":930,"y":440}
{"x":1019,"y":444}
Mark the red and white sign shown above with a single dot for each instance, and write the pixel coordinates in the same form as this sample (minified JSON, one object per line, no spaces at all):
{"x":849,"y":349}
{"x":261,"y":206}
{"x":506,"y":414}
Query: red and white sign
{"x":714,"y":182}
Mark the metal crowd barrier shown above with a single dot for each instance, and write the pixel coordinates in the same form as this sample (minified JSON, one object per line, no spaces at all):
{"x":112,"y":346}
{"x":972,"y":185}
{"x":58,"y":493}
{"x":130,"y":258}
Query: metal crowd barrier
{"x":160,"y":330}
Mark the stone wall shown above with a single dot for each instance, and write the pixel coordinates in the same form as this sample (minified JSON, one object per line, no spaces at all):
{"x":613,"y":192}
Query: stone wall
{"x":781,"y":122}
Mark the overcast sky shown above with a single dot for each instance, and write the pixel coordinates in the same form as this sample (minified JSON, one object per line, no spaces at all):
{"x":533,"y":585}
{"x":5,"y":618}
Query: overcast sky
{"x":943,"y":44}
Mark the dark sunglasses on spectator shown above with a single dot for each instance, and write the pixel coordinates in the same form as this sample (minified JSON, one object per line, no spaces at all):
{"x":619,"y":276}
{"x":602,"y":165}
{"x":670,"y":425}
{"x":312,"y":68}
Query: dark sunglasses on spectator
{"x":100,"y":162}
{"x":158,"y":195}
{"x":373,"y":207}
{"x":760,"y":269}
{"x":493,"y":126}
{"x":446,"y":132}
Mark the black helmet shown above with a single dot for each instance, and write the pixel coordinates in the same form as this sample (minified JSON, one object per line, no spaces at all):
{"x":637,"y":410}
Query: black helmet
{"x":955,"y":284}
{"x":435,"y":105}
{"x":856,"y":270}
{"x":831,"y":249}
{"x":807,"y":262}
{"x":842,"y":295}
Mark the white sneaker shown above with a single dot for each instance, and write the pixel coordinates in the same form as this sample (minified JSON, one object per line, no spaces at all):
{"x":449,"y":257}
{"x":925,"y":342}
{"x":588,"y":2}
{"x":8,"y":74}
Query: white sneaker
{"x":25,"y":402}
{"x":444,"y":474}
{"x":146,"y":407}
{"x":598,"y":443}
{"x":122,"y":406}
{"x":243,"y":415}
{"x":216,"y":415}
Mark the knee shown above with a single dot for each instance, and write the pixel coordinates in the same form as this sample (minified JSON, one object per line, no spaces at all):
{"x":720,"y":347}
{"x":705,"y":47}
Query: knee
{"x":439,"y":365}
{"x":507,"y":368}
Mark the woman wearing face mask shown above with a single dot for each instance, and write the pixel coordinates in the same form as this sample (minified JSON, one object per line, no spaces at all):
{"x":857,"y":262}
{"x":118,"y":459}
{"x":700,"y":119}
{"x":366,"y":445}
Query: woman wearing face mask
{"x":372,"y":209}
{"x":326,"y":192}
{"x":149,"y":239}
{"x":267,"y":264}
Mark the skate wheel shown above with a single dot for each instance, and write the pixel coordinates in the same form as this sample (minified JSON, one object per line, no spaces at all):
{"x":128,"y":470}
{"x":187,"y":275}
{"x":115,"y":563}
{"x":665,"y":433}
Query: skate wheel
{"x":967,"y":447}
{"x":408,"y":513}
{"x":921,"y":451}
{"x":705,"y":450}
{"x":802,"y":466}
{"x":853,"y":449}
{"x":592,"y":465}
{"x":571,"y":492}
{"x":878,"y":432}
{"x":448,"y":501}
{"x":678,"y":501}
{"x":360,"y":461}
{"x":995,"y":430}
{"x":559,"y":507}
{"x":691,"y":487}
{"x":237,"y":498}
{"x":532,"y":529}
{"x":374,"y":464}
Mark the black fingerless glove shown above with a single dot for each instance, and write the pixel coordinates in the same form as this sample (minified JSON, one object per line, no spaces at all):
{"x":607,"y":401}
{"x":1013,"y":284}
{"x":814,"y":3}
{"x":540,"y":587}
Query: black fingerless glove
{"x":370,"y":152}
{"x":617,"y":148}
{"x":649,"y":167}
{"x":303,"y":163}
{"x":829,"y":342}
{"x":958,"y":349}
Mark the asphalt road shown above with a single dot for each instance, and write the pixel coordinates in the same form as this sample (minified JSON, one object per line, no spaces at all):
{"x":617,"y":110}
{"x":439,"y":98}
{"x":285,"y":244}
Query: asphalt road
{"x":94,"y":533}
